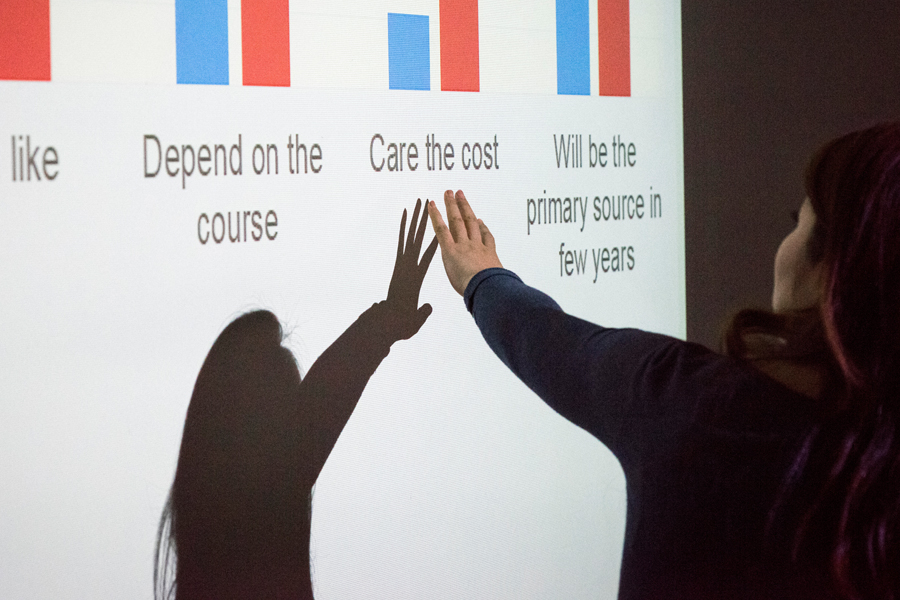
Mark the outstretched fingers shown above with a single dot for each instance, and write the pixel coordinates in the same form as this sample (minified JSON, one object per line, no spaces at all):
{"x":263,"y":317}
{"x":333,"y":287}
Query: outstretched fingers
{"x":467,"y":246}
{"x":402,"y":234}
{"x":429,"y":254}
{"x":454,"y":218}
{"x":441,"y":231}
{"x":420,"y":232}
{"x":410,"y":238}
{"x":468,"y":216}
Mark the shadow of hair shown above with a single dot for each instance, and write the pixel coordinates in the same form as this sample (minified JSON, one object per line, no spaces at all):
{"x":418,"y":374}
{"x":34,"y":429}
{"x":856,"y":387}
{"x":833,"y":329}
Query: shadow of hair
{"x":237,"y":520}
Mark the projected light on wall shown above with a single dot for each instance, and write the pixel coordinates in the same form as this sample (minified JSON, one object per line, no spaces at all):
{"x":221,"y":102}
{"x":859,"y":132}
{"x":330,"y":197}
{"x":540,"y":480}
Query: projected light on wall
{"x":186,"y":164}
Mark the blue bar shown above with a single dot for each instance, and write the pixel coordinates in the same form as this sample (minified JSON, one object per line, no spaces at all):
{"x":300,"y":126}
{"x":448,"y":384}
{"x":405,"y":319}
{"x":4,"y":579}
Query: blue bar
{"x":409,"y":55}
{"x":573,"y":41}
{"x":201,"y":41}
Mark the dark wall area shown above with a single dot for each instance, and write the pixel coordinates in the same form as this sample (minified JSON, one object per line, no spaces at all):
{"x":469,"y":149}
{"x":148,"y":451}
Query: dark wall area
{"x":765,"y":83}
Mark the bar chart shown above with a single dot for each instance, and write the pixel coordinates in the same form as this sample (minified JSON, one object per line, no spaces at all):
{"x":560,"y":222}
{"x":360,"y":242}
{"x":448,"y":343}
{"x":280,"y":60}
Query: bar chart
{"x":573,"y":47}
{"x":408,"y":52}
{"x":614,"y":48}
{"x":201,"y":34}
{"x":265,"y":42}
{"x":448,"y":40}
{"x":25,"y":40}
{"x":459,"y":45}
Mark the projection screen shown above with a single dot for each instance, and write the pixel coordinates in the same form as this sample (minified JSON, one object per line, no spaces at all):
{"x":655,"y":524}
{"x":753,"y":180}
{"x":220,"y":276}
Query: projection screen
{"x":168,"y":165}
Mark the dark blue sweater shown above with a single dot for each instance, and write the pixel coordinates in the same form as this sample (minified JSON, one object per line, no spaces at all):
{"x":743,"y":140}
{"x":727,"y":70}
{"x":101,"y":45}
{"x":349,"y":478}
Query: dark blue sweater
{"x":705,"y":441}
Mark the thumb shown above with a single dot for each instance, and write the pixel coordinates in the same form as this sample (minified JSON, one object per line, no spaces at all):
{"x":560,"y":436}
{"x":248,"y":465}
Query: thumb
{"x":408,"y":324}
{"x":413,"y":323}
{"x":423,"y":313}
{"x":419,"y":319}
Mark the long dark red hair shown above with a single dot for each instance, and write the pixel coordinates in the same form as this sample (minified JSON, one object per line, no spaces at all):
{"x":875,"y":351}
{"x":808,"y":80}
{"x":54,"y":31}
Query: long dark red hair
{"x":840,"y":506}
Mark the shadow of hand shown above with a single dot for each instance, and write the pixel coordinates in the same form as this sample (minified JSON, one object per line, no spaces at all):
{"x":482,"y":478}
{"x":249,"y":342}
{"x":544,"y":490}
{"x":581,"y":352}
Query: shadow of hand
{"x":403,"y":294}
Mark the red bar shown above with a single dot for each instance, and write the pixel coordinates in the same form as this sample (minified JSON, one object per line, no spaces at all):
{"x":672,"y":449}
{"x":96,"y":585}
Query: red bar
{"x":459,"y":45}
{"x":266,"y":42}
{"x":25,"y":39}
{"x":615,"y":48}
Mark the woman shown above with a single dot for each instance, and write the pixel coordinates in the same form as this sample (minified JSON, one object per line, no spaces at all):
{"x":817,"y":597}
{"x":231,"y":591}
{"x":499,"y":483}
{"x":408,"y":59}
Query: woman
{"x":255,"y":438}
{"x":773,"y":472}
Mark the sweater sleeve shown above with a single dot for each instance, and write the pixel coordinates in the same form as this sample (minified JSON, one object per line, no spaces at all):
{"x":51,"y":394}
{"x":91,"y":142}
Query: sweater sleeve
{"x":627,"y":387}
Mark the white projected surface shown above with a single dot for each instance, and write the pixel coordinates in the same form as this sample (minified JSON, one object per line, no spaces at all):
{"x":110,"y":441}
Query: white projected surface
{"x":451,"y":479}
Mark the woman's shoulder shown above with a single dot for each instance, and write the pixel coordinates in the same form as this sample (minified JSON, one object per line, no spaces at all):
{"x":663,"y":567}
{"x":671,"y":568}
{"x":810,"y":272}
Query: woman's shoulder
{"x":724,"y":391}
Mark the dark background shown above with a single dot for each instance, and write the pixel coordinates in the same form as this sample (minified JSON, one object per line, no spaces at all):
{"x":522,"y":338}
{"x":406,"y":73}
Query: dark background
{"x":765,"y":84}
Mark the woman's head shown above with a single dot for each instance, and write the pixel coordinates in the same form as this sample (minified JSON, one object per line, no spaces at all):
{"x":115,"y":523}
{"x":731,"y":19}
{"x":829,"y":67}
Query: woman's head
{"x":853,"y":186}
{"x":239,"y":506}
{"x":842,"y":499}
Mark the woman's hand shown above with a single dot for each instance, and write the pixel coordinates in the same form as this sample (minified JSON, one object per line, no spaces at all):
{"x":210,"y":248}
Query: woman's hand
{"x":403,"y":293}
{"x":467,"y":246}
